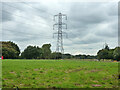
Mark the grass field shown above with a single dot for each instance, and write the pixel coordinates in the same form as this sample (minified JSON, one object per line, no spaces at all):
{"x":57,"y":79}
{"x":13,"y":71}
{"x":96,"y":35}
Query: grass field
{"x":59,"y":74}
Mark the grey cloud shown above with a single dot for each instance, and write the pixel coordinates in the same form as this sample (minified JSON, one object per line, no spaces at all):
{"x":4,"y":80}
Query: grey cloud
{"x":109,"y":34}
{"x":111,"y":31}
{"x":113,"y":9}
{"x":83,"y":20}
{"x":22,"y":32}
{"x":87,"y":13}
{"x":89,"y":40}
{"x":89,"y":16}
{"x":27,"y":8}
{"x":39,"y":9}
{"x":6,"y":16}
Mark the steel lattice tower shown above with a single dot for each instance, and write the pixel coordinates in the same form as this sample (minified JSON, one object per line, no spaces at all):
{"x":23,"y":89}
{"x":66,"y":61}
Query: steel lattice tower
{"x":59,"y":18}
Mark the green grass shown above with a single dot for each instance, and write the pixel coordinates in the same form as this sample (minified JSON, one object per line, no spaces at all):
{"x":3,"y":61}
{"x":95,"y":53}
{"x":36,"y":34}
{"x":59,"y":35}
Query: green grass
{"x":59,"y":74}
{"x":0,"y":73}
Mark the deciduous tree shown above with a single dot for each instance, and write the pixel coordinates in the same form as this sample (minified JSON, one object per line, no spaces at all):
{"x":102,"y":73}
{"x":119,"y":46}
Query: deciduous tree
{"x":116,"y":54}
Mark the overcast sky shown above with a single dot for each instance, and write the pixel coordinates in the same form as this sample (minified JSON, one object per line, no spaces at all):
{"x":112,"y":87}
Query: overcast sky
{"x":90,"y":25}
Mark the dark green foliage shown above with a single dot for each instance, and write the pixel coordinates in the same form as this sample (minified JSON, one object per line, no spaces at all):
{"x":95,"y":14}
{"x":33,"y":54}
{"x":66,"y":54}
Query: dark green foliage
{"x":105,"y":53}
{"x":109,"y":53}
{"x":10,"y":50}
{"x":67,"y":56}
{"x":84,"y":56}
{"x":32,"y":52}
{"x":46,"y":51}
{"x":102,"y":54}
{"x":0,"y":48}
{"x":56,"y":55}
{"x":116,"y":53}
{"x":106,"y":47}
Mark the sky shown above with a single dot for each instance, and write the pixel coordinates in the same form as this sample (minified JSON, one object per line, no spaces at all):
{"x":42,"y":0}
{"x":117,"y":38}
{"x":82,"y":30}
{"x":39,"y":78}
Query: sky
{"x":89,"y":25}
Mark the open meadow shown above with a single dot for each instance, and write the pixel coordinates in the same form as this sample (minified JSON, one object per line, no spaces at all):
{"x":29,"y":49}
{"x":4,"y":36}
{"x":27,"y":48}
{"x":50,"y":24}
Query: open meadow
{"x":59,"y":74}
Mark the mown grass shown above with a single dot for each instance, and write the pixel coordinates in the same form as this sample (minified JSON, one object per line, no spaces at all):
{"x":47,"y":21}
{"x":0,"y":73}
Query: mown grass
{"x":59,"y":74}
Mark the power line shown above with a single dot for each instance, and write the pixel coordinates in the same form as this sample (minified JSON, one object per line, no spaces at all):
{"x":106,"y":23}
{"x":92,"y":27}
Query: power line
{"x":35,"y":8}
{"x":19,"y":21}
{"x":28,"y":34}
{"x":20,"y":16}
{"x":10,"y":5}
{"x":29,"y":6}
{"x":17,"y":15}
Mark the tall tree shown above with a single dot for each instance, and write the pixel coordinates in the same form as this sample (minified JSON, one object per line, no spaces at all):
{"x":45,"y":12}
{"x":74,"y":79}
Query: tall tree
{"x":116,"y":54}
{"x":46,"y":51}
{"x":31,"y":52}
{"x":10,"y":50}
{"x":110,"y":54}
{"x":102,"y":54}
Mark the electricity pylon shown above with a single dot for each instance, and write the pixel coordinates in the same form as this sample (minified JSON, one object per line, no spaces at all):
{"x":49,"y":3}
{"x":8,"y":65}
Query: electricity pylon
{"x":60,"y":26}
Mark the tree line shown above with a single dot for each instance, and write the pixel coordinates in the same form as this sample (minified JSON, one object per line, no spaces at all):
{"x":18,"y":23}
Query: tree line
{"x":10,"y":50}
{"x":107,"y":53}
